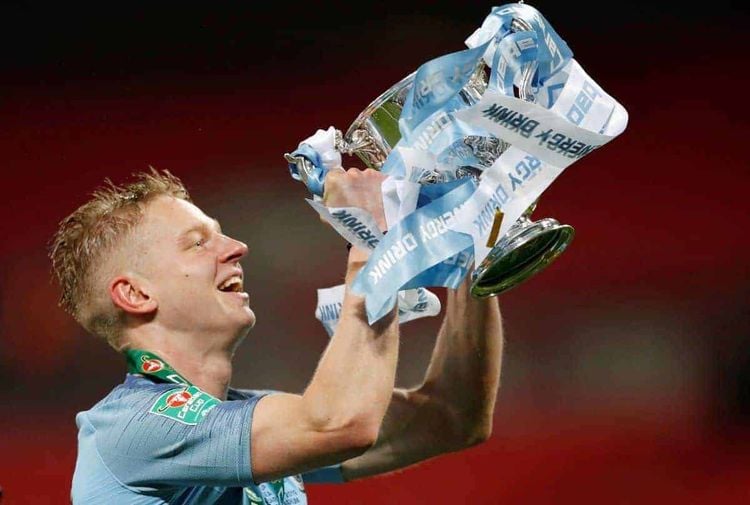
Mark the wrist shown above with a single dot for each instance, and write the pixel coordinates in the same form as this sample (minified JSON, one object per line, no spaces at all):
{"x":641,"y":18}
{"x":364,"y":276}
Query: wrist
{"x":357,"y":256}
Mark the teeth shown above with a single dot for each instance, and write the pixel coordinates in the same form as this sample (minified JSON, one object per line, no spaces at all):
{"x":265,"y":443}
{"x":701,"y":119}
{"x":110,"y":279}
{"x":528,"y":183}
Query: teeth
{"x":235,"y":283}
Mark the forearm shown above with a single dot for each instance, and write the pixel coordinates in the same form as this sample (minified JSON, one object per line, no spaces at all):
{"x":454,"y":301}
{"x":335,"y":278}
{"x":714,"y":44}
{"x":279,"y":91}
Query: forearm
{"x":464,"y":371}
{"x":452,"y":408}
{"x":341,"y":411}
{"x":353,"y":382}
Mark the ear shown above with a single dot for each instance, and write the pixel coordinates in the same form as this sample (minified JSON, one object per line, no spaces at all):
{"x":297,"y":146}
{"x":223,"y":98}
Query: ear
{"x":132,"y":296}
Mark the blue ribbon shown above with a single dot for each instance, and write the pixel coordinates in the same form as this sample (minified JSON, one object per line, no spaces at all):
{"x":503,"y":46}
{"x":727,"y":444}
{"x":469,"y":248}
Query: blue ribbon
{"x":316,"y":178}
{"x":436,"y":86}
{"x":417,"y":243}
{"x":552,"y":51}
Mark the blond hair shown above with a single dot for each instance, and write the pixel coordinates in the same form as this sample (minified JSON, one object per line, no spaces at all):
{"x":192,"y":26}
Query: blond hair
{"x":91,"y":234}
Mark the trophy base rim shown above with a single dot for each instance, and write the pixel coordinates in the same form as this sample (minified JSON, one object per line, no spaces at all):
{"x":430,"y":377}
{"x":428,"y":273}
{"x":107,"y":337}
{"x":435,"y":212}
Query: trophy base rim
{"x":541,"y":241}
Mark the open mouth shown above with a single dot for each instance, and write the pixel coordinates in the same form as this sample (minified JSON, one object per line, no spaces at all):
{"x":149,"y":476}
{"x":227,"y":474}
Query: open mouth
{"x":231,"y":285}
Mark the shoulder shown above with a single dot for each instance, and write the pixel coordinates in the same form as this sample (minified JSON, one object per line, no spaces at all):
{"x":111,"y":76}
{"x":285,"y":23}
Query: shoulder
{"x":134,"y":395}
{"x":149,"y":433}
{"x":140,"y":403}
{"x":102,"y":432}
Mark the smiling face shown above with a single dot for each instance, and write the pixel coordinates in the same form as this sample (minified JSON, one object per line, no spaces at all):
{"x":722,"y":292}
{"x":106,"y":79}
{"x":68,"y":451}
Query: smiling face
{"x":192,"y":271}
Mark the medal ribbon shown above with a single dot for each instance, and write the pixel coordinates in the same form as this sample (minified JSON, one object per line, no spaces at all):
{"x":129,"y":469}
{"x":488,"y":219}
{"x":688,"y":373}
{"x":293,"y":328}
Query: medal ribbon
{"x":148,"y":363}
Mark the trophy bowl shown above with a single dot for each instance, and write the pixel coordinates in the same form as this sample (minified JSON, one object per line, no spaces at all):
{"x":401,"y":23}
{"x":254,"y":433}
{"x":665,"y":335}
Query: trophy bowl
{"x":529,"y":246}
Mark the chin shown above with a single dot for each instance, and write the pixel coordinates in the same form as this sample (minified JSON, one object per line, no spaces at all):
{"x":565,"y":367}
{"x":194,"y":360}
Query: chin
{"x":236,"y":321}
{"x":248,"y":320}
{"x":241,"y":330}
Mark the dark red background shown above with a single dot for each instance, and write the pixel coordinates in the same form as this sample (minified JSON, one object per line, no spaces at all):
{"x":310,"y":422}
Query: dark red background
{"x":627,"y":369}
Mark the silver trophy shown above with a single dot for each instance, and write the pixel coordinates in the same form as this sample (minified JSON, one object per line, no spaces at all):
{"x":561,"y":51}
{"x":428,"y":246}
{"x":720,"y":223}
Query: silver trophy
{"x":528,"y":246}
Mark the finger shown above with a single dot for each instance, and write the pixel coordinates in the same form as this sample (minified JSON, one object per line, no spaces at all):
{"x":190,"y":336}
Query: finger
{"x":334,"y":174}
{"x":375,"y":174}
{"x":332,"y":181}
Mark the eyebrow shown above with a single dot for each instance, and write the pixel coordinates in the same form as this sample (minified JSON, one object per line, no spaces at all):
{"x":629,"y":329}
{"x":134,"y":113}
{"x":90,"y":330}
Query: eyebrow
{"x":200,"y":227}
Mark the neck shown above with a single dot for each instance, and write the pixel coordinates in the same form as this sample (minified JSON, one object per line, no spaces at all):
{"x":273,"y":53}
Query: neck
{"x":208,"y":369}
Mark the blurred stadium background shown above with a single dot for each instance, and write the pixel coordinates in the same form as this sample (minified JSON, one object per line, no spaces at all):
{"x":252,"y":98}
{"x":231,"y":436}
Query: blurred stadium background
{"x":627,"y":366}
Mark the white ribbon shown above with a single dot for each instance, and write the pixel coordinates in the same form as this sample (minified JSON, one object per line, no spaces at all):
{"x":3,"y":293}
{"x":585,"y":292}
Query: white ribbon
{"x":412,"y":304}
{"x":324,"y":142}
{"x":544,"y":143}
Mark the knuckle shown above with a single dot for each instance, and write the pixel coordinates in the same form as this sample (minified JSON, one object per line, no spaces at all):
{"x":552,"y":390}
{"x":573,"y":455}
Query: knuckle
{"x":375,"y":174}
{"x":332,"y":180}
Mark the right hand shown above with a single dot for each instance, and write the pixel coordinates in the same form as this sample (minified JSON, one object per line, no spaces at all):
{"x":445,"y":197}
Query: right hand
{"x":356,"y":188}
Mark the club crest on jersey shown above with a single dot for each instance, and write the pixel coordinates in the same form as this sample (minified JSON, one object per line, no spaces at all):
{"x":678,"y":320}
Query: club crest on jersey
{"x":188,"y":405}
{"x":176,"y":400}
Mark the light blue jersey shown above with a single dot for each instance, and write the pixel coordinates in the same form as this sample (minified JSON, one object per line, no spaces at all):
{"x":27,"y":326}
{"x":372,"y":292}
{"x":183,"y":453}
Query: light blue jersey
{"x":157,"y":443}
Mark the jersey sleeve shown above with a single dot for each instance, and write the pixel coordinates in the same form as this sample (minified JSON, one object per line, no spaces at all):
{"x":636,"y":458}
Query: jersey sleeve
{"x":175,"y":437}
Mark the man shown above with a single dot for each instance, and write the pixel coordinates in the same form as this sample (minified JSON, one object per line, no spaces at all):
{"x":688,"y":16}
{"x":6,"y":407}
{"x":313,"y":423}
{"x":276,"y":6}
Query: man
{"x":144,"y":268}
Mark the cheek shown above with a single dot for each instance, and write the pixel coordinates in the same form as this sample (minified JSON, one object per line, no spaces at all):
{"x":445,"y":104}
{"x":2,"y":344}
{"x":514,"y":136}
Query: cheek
{"x":184,"y":286}
{"x":192,"y":285}
{"x":181,"y":278}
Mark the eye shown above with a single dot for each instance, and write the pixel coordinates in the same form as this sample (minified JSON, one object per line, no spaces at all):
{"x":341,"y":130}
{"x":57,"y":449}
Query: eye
{"x":200,"y":242}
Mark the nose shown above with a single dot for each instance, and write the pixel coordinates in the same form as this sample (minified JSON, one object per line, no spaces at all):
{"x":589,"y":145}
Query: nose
{"x":234,"y":250}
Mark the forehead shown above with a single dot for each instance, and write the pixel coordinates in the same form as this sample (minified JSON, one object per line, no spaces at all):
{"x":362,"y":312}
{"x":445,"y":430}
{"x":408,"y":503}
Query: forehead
{"x":166,"y":214}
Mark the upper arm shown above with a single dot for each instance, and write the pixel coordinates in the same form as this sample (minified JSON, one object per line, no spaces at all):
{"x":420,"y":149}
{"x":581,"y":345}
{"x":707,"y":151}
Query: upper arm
{"x":284,"y":440}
